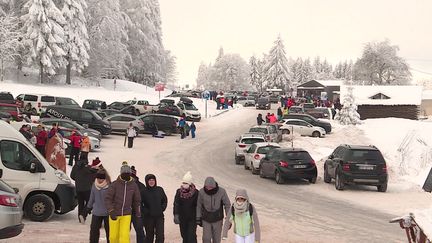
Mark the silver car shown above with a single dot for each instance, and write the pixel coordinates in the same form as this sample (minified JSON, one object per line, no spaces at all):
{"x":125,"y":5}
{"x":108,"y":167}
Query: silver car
{"x":10,"y":212}
{"x":120,"y":122}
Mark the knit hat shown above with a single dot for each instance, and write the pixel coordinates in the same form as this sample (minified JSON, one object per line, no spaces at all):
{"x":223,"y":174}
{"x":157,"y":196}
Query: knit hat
{"x":96,"y":162}
{"x":125,"y":169}
{"x":187,"y":178}
{"x":85,"y":134}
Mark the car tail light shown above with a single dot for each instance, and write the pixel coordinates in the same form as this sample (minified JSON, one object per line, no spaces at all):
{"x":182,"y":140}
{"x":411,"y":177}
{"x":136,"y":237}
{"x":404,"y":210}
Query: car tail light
{"x":312,"y":162}
{"x":346,"y":167}
{"x":8,"y":201}
{"x":283,"y":163}
{"x":256,"y":156}
{"x":242,"y":145}
{"x":384,"y":169}
{"x":39,"y":104}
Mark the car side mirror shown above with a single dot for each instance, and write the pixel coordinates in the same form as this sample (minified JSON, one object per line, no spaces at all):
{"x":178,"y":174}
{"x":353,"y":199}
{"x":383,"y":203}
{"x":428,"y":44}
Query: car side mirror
{"x":236,"y":140}
{"x":33,"y":166}
{"x":331,"y":156}
{"x":36,"y":166}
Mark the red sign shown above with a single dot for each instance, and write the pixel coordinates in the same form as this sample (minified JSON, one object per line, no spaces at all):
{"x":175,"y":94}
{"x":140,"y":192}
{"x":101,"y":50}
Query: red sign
{"x":160,"y":87}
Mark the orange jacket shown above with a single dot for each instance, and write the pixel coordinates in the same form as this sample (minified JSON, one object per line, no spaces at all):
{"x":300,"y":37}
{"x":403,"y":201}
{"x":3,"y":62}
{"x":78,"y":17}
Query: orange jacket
{"x":85,"y":144}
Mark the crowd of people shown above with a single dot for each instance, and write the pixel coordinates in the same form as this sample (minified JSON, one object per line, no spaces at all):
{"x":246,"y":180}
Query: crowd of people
{"x":125,"y":202}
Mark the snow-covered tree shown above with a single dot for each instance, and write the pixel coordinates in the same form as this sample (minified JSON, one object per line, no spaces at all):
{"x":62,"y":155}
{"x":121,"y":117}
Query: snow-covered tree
{"x":255,"y":73}
{"x":381,"y":65}
{"x":76,"y":37}
{"x":45,"y":35}
{"x":10,"y":40}
{"x":348,"y":115}
{"x":276,"y":68}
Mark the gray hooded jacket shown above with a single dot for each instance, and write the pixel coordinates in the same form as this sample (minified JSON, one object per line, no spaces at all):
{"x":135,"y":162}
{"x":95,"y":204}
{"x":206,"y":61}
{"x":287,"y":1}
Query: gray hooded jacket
{"x":212,"y":201}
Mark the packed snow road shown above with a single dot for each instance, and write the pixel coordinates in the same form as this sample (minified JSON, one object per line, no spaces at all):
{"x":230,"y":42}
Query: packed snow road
{"x":294,"y":212}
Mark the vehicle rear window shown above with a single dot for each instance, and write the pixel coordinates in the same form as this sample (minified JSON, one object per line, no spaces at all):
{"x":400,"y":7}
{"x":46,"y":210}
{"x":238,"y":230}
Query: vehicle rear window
{"x":30,"y":98}
{"x":6,"y":96}
{"x":296,"y":155}
{"x":264,"y":150}
{"x":362,"y":155}
{"x":47,"y":98}
{"x":252,"y":140}
{"x":259,"y":129}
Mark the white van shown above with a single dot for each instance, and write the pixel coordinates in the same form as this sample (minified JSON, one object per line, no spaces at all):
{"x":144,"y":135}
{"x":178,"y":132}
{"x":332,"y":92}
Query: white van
{"x":35,"y":103}
{"x":44,"y":189}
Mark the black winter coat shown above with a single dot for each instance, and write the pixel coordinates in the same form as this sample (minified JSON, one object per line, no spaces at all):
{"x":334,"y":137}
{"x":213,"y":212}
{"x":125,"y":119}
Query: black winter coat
{"x":185,"y":207}
{"x":153,"y":202}
{"x":83,"y":175}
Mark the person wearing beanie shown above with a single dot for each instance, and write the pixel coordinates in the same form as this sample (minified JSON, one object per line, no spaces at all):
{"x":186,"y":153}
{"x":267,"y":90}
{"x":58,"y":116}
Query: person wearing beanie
{"x":96,"y":205}
{"x":245,"y":219}
{"x":122,"y":199}
{"x":154,"y":202}
{"x":96,"y":163}
{"x":137,"y":221}
{"x":212,"y":200}
{"x":83,"y":175}
{"x":85,"y":147}
{"x":185,"y":203}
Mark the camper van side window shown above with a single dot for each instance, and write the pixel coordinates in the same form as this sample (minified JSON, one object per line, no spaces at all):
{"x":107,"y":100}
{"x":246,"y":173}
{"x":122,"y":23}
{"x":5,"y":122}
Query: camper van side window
{"x":15,"y":155}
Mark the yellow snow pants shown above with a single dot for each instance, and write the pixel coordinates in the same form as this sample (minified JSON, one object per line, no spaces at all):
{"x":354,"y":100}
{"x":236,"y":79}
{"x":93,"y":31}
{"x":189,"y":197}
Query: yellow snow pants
{"x":119,"y":229}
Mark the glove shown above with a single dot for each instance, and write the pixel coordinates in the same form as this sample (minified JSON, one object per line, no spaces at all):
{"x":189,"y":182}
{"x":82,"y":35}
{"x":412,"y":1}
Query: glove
{"x":199,"y":222}
{"x":86,"y":212}
{"x":176,"y":219}
{"x":112,"y":215}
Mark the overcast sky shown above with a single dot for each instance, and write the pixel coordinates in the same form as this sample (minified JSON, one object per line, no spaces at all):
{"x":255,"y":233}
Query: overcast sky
{"x":194,"y":30}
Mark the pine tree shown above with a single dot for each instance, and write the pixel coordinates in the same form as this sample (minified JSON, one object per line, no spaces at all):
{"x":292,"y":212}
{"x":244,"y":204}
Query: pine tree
{"x":10,"y":40}
{"x":45,"y":35}
{"x":255,"y":75}
{"x":348,"y":115}
{"x":276,"y":68}
{"x":76,"y":37}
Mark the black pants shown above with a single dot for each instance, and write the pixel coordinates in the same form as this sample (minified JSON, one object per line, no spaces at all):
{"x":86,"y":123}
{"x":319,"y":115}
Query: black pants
{"x":154,"y":226}
{"x":130,"y":142}
{"x":95,"y":226}
{"x":41,"y":149}
{"x":83,"y":198}
{"x":74,"y":153}
{"x":139,"y":229}
{"x":84,"y":156}
{"x":188,"y":231}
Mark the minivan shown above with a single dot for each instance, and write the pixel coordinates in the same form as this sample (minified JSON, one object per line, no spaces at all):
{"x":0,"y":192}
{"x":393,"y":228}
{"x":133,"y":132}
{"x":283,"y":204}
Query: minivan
{"x":44,"y":189}
{"x":81,"y":116}
{"x":35,"y":103}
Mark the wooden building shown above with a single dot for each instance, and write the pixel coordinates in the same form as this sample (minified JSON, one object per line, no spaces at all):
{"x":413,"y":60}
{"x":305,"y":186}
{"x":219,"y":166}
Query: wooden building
{"x":316,"y":88}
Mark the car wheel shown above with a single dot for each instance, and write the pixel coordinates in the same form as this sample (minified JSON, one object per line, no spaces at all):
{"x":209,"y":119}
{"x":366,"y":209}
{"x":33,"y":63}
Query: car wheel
{"x":327,"y":178}
{"x":261,"y":173}
{"x":339,"y":184}
{"x":246,"y":166}
{"x":237,"y":160}
{"x":254,"y":171}
{"x":137,"y":131}
{"x":286,"y":131}
{"x":39,"y":207}
{"x":278,"y":178}
{"x":316,"y":134}
{"x":382,"y":188}
{"x":312,"y":180}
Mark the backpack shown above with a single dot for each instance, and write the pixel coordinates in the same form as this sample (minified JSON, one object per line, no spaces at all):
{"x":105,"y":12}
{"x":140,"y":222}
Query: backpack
{"x":250,"y":210}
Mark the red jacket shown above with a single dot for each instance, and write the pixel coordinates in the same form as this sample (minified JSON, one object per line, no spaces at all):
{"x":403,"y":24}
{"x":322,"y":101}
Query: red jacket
{"x":76,"y":140}
{"x":41,"y":138}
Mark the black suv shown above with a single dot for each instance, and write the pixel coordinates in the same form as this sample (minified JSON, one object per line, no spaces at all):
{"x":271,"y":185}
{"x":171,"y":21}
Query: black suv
{"x":354,"y":164}
{"x":165,"y":123}
{"x":285,"y":163}
{"x":6,"y":97}
{"x":310,"y":119}
{"x":263,"y":103}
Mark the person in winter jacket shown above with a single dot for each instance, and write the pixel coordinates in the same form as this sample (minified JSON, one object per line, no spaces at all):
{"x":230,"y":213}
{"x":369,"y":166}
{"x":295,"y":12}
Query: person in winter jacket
{"x":260,"y":120}
{"x":182,"y":125}
{"x":212,"y":200}
{"x":279,"y":114}
{"x":245,"y":219}
{"x":83,"y":175}
{"x":154,"y":202}
{"x":267,"y":118}
{"x":193,"y":129}
{"x":41,"y":139}
{"x":272,"y":118}
{"x":185,"y":203}
{"x":85,"y":147}
{"x":137,"y":221}
{"x":25,"y":131}
{"x":123,"y":198}
{"x":75,"y":139}
{"x":96,"y":205}
{"x":131,"y":134}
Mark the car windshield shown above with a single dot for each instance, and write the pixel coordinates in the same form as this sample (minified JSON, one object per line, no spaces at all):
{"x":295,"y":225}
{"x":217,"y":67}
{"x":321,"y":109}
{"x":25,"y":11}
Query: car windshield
{"x":262,"y":100}
{"x":190,"y":107}
{"x":362,"y":155}
{"x":264,"y":150}
{"x":259,"y":129}
{"x":67,"y":101}
{"x":296,"y":155}
{"x":252,"y":140}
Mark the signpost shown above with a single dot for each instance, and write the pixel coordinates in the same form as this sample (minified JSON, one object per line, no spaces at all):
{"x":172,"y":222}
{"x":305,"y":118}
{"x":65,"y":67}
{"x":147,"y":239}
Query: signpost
{"x":159,"y":86}
{"x":206,"y":96}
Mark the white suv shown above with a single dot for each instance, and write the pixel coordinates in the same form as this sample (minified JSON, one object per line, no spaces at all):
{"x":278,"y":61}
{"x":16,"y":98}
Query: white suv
{"x":35,"y":103}
{"x":244,"y":142}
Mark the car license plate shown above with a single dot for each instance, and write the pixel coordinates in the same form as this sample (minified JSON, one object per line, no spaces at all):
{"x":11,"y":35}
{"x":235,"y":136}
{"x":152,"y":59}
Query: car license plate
{"x":299,"y":166}
{"x":366,"y":167}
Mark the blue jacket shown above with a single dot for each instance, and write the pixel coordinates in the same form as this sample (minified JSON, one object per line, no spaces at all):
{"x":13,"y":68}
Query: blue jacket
{"x":97,"y":201}
{"x":182,"y":122}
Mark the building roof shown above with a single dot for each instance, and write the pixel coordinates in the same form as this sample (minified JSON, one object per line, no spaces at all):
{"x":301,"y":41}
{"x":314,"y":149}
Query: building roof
{"x":327,"y":83}
{"x":385,"y":95}
{"x":320,"y":84}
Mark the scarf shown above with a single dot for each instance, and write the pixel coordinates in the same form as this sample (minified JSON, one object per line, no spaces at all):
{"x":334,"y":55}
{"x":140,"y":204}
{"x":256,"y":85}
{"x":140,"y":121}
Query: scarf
{"x":241,"y":208}
{"x":102,"y":185}
{"x":187,"y":193}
